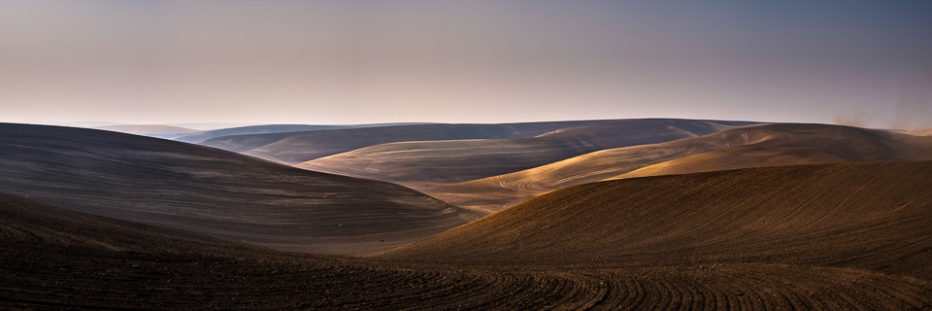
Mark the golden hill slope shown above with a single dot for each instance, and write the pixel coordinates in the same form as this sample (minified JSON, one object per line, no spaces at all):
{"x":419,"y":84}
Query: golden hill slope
{"x":801,"y":144}
{"x":868,"y":216}
{"x":764,"y":145}
{"x":920,"y":132}
{"x":219,"y":193}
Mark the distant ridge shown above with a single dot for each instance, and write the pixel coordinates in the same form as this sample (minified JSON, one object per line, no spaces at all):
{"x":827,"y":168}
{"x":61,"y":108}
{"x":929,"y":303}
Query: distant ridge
{"x":429,"y":162}
{"x":296,"y":147}
{"x":152,"y":130}
{"x":268,"y":129}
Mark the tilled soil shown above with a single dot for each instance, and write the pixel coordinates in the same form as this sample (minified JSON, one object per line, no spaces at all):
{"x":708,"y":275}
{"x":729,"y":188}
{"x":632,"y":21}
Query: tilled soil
{"x":80,"y":278}
{"x":58,"y":259}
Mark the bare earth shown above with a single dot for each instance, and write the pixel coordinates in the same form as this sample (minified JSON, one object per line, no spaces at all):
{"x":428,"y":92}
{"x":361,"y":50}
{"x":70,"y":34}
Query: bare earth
{"x":774,"y":244}
{"x":97,"y":220}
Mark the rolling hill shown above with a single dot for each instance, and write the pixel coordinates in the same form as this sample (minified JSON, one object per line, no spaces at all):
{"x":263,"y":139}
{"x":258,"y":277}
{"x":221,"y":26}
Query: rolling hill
{"x":299,"y":147}
{"x":252,"y":129}
{"x":151,"y":130}
{"x":57,"y":259}
{"x":762,"y":145}
{"x":792,"y":144}
{"x":269,"y":129}
{"x":920,"y":132}
{"x":429,"y":162}
{"x":214,"y":192}
{"x":865,"y":216}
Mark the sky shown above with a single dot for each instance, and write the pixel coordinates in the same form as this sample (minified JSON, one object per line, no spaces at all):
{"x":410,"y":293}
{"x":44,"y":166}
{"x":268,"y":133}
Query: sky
{"x":866,"y":63}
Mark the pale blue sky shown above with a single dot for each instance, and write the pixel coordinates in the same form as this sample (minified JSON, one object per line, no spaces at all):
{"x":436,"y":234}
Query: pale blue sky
{"x":340,"y":61}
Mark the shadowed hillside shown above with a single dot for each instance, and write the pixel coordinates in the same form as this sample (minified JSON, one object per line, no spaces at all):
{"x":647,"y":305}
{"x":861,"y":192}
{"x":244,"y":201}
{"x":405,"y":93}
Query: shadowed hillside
{"x":870,"y":216}
{"x":416,"y":163}
{"x":303,"y":146}
{"x":764,"y":145}
{"x":215,"y":192}
{"x":58,"y":259}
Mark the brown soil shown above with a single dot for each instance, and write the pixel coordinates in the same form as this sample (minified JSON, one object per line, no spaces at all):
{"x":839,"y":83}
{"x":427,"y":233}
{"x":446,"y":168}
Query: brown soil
{"x":54,"y":259}
{"x":819,"y":237}
{"x":871,"y":216}
{"x":867,"y":219}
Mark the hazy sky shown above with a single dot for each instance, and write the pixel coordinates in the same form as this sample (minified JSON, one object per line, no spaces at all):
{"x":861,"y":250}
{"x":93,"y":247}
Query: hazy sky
{"x":344,"y":61}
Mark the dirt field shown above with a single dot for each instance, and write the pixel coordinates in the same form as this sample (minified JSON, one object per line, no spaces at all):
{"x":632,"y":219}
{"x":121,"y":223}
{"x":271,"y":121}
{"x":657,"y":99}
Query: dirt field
{"x":871,"y":216}
{"x":54,"y":259}
{"x":819,"y":237}
{"x":828,"y":237}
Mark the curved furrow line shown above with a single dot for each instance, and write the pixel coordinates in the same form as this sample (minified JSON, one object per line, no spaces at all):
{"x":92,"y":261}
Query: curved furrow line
{"x":753,"y":296}
{"x":697,"y":300}
{"x":586,"y":293}
{"x":917,"y":294}
{"x":626,"y":291}
{"x":799,"y":287}
{"x":844,"y":288}
{"x":452,"y":293}
{"x":602,"y":294}
{"x":719,"y":300}
{"x":497,"y":291}
{"x":505,"y":293}
{"x":670,"y":297}
{"x":549,"y":292}
{"x":655,"y":295}
{"x":479,"y":293}
{"x":556,"y":293}
{"x":783,"y":298}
